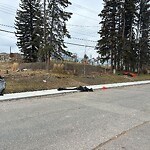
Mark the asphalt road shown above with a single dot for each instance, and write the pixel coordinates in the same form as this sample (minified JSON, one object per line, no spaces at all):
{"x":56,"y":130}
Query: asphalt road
{"x":112,"y":119}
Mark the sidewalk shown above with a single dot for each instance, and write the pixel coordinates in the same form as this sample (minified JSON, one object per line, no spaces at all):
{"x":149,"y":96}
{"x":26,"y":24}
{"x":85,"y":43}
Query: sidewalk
{"x":15,"y":96}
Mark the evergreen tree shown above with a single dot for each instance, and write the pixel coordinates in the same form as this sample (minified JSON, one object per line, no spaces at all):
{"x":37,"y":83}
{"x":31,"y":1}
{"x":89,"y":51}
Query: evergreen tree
{"x":28,"y":26}
{"x":57,"y":31}
{"x":143,"y":33}
{"x":118,"y":41}
{"x":107,"y":45}
{"x":129,"y":52}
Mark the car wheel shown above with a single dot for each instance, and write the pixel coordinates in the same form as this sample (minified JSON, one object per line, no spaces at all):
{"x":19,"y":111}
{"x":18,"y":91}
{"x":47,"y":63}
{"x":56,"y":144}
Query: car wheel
{"x":2,"y":93}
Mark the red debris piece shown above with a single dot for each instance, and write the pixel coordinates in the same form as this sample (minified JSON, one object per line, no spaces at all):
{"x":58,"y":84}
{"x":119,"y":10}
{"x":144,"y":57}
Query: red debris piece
{"x":104,"y":88}
{"x":129,"y":74}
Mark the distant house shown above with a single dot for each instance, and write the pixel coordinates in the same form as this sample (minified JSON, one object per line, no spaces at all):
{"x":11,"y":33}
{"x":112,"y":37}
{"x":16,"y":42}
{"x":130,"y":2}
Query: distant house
{"x":5,"y":57}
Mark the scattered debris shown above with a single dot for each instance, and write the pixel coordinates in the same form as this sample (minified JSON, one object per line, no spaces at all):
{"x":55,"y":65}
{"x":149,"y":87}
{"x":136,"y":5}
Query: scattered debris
{"x":104,"y":88}
{"x":129,"y":74}
{"x":24,"y":69}
{"x":80,"y":88}
{"x":44,"y":81}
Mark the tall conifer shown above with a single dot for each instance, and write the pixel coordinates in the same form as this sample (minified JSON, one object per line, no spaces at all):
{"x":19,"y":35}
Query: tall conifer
{"x":56,"y":29}
{"x":28,"y":26}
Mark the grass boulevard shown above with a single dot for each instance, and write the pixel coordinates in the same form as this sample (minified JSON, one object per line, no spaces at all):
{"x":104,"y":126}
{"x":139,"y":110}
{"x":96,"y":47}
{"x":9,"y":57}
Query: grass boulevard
{"x":34,"y":80}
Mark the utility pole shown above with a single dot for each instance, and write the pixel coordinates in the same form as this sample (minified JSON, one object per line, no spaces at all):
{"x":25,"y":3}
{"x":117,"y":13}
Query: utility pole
{"x":44,"y":22}
{"x":10,"y":49}
{"x":84,"y":71}
{"x":45,"y":25}
{"x":51,"y":31}
{"x":46,"y":49}
{"x":48,"y":46}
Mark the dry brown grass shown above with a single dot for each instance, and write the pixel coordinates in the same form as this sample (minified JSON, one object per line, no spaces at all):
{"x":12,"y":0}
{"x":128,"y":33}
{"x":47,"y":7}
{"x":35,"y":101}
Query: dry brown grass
{"x":31,"y":80}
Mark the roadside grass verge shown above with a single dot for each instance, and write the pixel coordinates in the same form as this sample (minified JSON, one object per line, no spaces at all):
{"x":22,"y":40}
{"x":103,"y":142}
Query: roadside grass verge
{"x":61,"y":74}
{"x":33,"y":81}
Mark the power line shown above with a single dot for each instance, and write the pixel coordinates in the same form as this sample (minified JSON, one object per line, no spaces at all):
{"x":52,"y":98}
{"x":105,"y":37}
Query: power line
{"x":64,"y":42}
{"x":7,"y":26}
{"x":88,"y":34}
{"x":9,"y":10}
{"x":85,"y":16}
{"x":83,"y":39}
{"x":6,"y":12}
{"x":7,"y":31}
{"x":82,"y":7}
{"x":8,"y":6}
{"x":73,"y":25}
{"x":4,"y":25}
{"x":82,"y":26}
{"x":76,"y":44}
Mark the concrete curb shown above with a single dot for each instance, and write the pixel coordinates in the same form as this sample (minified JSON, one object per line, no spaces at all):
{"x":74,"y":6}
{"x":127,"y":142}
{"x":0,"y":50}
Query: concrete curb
{"x":22,"y":95}
{"x":119,"y":84}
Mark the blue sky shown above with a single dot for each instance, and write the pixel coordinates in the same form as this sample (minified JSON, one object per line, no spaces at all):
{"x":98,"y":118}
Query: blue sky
{"x":83,"y":26}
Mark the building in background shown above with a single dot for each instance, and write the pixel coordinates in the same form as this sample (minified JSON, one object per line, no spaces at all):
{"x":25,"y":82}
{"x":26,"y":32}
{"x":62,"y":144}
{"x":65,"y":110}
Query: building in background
{"x":6,"y":57}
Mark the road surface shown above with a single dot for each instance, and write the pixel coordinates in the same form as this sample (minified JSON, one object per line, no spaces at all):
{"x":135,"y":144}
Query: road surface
{"x":111,"y":119}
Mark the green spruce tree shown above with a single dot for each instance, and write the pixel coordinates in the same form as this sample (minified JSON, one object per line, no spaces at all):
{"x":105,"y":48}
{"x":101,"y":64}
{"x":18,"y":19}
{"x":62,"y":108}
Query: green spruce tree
{"x":29,"y":31}
{"x":107,"y":45}
{"x":56,"y":28}
{"x":143,"y":34}
{"x":129,"y":52}
{"x":117,"y":34}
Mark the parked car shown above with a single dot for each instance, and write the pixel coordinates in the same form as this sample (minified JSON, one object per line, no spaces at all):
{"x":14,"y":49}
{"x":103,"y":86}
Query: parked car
{"x":2,"y":85}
